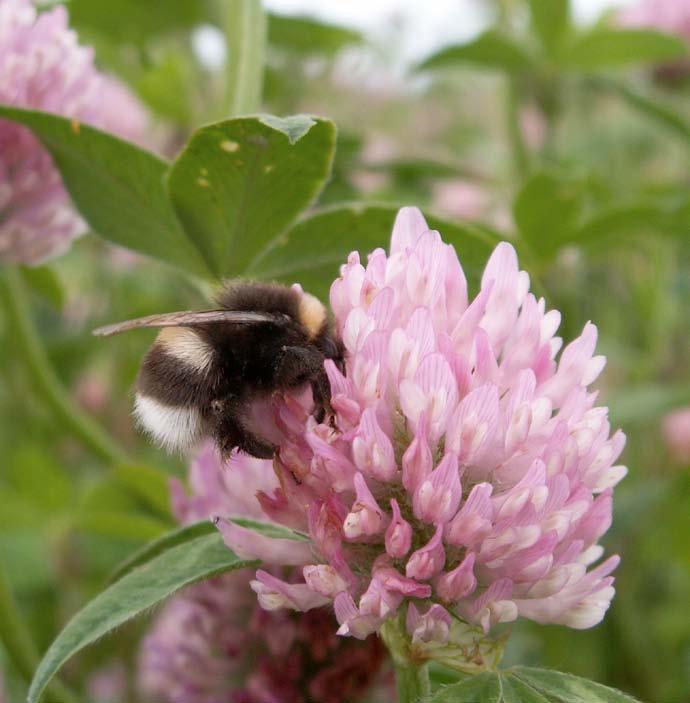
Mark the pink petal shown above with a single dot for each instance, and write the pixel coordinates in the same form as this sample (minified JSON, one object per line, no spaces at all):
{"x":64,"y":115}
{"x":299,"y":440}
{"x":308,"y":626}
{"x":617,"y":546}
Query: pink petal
{"x":398,"y":534}
{"x":249,"y":544}
{"x":428,"y":560}
{"x":274,"y":594}
{"x":365,"y":518}
{"x":372,"y":450}
{"x":458,"y":583}
{"x":437,"y":498}
{"x":409,"y":226}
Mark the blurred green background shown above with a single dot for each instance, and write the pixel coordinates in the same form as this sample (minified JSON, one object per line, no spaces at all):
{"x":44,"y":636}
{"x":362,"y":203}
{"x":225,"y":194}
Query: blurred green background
{"x":575,"y":150}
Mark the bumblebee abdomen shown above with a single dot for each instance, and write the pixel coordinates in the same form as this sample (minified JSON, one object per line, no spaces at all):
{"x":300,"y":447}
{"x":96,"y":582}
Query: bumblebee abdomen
{"x":174,"y":389}
{"x":175,"y":428}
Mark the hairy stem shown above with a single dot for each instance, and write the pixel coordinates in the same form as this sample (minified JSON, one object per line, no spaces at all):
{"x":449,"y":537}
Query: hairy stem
{"x":411,"y":675}
{"x":42,"y":374}
{"x":412,"y":682}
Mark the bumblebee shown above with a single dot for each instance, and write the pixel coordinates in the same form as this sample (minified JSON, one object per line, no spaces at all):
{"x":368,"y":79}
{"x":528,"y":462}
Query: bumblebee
{"x":207,"y":369}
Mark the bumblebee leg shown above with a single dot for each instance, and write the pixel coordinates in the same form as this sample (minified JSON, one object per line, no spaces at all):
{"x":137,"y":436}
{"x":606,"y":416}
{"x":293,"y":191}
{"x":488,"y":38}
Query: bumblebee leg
{"x":321,"y":392}
{"x":231,"y":432}
{"x":299,"y":365}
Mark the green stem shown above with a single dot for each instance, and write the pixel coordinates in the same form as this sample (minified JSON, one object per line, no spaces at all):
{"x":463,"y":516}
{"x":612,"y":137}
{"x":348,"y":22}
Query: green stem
{"x":245,"y":31}
{"x":43,"y":376}
{"x":19,"y":645}
{"x":519,"y":151}
{"x":411,"y":674}
{"x":412,"y":682}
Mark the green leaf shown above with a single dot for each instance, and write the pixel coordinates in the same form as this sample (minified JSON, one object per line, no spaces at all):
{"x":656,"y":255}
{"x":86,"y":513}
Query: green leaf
{"x":604,"y":48}
{"x":489,"y":50}
{"x":117,"y":187}
{"x":148,"y":484}
{"x":527,"y":685}
{"x":665,"y":115}
{"x":313,"y":250}
{"x":619,"y":223}
{"x":133,"y":594}
{"x":635,"y":405}
{"x":516,"y":691}
{"x":239,"y":183}
{"x":165,"y":84}
{"x":483,"y":688}
{"x":44,"y":281}
{"x":133,"y":21}
{"x":271,"y":530}
{"x":545,"y":212}
{"x":550,"y":20}
{"x":307,"y":36}
{"x":171,"y":539}
{"x":566,"y":688}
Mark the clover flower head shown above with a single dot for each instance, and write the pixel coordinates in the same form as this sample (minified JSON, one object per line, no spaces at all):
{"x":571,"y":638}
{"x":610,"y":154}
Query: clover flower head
{"x":43,"y":67}
{"x":212,"y":642}
{"x":467,"y":473}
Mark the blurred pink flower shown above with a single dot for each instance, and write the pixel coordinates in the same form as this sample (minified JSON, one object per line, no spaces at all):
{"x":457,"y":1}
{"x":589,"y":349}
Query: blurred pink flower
{"x":671,"y":16}
{"x":42,"y":66}
{"x":379,"y":148}
{"x":108,"y":684}
{"x":213,"y":643}
{"x":468,"y":471}
{"x":460,"y":199}
{"x":533,"y":126}
{"x":92,"y":391}
{"x":676,"y":430}
{"x":369,"y":182}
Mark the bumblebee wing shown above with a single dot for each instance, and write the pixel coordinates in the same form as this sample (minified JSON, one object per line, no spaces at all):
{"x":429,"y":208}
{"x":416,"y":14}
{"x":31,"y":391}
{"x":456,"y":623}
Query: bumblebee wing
{"x":188,"y":318}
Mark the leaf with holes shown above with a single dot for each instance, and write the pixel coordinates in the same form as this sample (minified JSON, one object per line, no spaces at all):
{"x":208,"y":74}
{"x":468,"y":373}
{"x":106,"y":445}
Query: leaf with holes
{"x":241,"y":182}
{"x":116,"y":186}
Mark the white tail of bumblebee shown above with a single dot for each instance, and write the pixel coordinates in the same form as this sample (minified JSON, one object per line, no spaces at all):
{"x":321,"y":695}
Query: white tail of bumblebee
{"x":175,"y":428}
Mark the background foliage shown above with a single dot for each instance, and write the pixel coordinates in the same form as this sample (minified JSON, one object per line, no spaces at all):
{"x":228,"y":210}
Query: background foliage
{"x":596,"y":203}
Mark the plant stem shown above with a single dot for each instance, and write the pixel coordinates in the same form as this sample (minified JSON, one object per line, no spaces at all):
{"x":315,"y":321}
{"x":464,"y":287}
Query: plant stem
{"x":245,"y":31}
{"x":19,"y":645}
{"x":412,"y":682}
{"x":411,"y":675}
{"x":519,"y":152}
{"x":45,"y":380}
